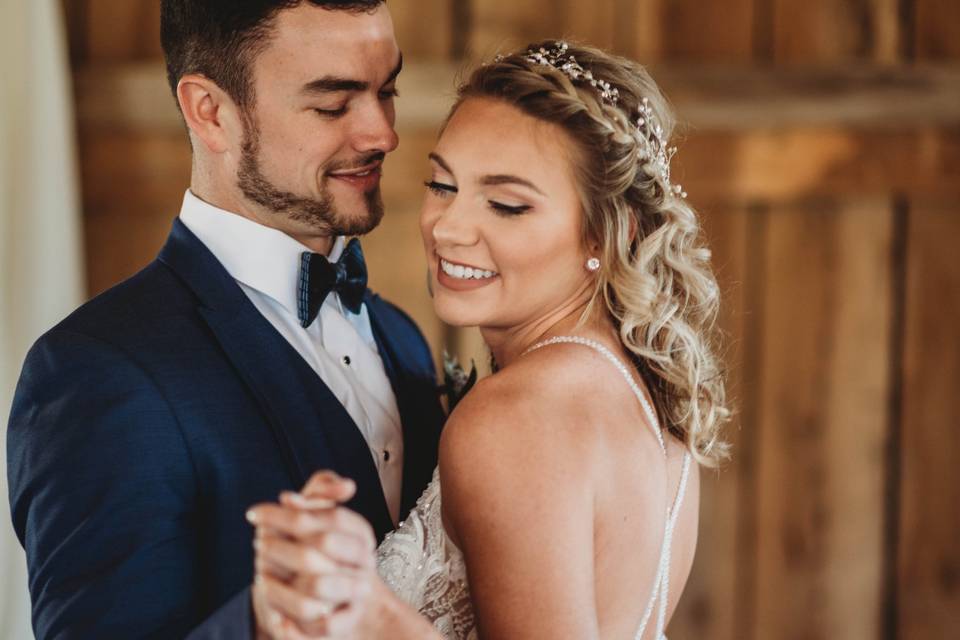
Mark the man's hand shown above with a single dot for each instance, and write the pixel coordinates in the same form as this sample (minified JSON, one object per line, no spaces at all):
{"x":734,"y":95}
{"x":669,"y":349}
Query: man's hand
{"x":315,"y":569}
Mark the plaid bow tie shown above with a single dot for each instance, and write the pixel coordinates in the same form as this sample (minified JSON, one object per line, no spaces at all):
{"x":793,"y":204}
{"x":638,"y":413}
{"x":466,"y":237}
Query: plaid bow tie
{"x":318,"y":277}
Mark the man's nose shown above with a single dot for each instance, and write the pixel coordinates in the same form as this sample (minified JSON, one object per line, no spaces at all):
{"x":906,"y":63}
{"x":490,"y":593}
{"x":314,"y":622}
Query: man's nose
{"x":375,"y":130}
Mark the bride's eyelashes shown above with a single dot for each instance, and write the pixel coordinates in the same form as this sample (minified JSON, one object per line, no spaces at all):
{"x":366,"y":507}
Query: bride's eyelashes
{"x":439,"y":188}
{"x":443,"y":190}
{"x":507,"y":210}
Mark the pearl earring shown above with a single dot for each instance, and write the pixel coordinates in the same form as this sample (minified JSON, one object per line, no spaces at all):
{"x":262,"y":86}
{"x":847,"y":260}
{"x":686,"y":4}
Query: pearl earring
{"x":593,"y":264}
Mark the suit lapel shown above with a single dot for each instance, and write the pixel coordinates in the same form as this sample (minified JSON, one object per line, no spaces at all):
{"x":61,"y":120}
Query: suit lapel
{"x":417,"y":401}
{"x":311,"y":427}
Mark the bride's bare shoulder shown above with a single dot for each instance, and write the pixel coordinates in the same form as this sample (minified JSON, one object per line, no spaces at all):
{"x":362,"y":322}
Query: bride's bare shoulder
{"x":552,"y":395}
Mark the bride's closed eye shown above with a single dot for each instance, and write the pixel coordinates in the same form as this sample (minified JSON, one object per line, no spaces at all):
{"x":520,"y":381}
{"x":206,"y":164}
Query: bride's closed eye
{"x":439,"y":188}
{"x":443,"y":190}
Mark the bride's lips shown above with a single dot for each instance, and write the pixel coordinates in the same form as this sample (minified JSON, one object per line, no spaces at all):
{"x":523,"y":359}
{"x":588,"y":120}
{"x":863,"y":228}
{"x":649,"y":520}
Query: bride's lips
{"x":461,"y":284}
{"x":364,"y":179}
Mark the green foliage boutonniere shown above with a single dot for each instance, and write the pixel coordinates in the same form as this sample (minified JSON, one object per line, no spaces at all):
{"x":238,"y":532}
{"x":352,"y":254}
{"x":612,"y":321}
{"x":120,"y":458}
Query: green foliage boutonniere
{"x":456,"y":381}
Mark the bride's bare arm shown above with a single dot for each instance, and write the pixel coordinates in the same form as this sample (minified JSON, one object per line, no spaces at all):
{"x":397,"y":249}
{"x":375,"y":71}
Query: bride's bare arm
{"x":516,"y":459}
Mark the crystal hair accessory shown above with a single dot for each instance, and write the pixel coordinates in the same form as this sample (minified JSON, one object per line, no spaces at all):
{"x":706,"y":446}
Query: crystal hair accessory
{"x":647,"y":130}
{"x":556,"y":56}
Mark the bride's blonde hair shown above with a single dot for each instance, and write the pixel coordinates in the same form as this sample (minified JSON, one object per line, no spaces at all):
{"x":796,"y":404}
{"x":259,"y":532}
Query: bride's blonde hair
{"x":655,"y":279}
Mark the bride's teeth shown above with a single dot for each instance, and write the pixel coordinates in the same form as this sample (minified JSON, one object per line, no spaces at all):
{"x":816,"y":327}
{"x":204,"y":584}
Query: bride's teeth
{"x":465,"y":273}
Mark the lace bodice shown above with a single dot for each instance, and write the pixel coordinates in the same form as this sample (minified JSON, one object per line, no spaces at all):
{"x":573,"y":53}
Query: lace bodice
{"x":426,"y":570}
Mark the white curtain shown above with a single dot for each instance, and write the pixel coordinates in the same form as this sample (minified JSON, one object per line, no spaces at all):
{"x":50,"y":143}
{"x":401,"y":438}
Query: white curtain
{"x":41,"y":267}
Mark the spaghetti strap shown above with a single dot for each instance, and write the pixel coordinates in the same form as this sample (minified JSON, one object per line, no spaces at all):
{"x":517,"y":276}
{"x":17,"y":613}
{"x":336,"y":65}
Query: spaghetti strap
{"x":596,"y":346}
{"x":661,"y":588}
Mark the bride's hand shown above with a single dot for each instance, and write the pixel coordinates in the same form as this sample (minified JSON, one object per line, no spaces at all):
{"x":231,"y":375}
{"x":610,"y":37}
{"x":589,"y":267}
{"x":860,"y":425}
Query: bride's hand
{"x":315,"y":569}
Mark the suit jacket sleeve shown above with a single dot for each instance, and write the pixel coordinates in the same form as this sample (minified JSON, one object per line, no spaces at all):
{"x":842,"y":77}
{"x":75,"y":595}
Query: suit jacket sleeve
{"x":104,"y":499}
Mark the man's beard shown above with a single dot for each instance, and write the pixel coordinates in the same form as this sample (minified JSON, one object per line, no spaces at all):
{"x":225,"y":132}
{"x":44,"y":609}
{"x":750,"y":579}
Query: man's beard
{"x":320,"y":214}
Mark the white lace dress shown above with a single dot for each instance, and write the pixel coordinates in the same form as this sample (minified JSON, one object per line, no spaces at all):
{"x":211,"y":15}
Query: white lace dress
{"x":426,"y":570}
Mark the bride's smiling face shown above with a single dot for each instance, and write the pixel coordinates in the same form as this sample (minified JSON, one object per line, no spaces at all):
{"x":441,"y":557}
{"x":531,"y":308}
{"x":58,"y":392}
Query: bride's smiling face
{"x":501,"y":221}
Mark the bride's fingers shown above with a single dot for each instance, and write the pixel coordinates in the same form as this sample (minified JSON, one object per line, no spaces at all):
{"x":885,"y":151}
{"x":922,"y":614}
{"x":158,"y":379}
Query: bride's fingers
{"x":296,"y":557}
{"x":327,"y":484}
{"x":343,"y":587}
{"x":343,"y":620}
{"x":307,"y":503}
{"x":304,"y":525}
{"x":264,"y":565}
{"x":290,"y":603}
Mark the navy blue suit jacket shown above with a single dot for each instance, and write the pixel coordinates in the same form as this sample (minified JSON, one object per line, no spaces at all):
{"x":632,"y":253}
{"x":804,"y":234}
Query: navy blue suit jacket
{"x":147,"y":422}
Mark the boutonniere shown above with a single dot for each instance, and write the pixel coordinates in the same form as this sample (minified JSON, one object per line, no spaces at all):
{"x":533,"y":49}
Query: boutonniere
{"x":456,"y":381}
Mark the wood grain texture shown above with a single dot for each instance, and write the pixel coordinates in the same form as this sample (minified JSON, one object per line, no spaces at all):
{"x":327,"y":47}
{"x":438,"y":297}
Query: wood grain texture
{"x":424,"y":28}
{"x":937,"y":35}
{"x":821,"y":31}
{"x":503,"y":26}
{"x":711,"y":600}
{"x":711,"y":32}
{"x":128,"y":30}
{"x":929,"y":555}
{"x":783,"y":164}
{"x":821,"y":420}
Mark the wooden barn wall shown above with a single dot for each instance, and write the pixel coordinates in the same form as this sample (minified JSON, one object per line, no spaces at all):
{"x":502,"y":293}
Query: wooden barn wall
{"x":823,"y":150}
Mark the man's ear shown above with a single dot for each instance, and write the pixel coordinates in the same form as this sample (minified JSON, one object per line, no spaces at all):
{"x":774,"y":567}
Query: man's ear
{"x":209,"y":112}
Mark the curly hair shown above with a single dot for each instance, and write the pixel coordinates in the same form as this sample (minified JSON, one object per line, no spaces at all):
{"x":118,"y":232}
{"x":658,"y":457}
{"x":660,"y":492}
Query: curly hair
{"x":655,"y":281}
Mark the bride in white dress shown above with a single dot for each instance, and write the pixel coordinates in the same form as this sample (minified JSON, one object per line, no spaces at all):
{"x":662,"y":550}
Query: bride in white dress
{"x":565,"y":502}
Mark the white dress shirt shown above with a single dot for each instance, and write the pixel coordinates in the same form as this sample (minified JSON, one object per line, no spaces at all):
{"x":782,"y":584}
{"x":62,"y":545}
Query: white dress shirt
{"x":338,"y":345}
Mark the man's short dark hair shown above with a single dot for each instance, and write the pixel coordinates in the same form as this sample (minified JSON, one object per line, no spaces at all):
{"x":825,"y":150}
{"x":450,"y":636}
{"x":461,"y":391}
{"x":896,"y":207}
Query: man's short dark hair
{"x":220,"y":39}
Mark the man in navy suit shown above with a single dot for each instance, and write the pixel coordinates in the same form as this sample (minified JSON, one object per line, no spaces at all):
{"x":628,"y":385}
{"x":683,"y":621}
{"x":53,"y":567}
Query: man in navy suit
{"x":248,"y":355}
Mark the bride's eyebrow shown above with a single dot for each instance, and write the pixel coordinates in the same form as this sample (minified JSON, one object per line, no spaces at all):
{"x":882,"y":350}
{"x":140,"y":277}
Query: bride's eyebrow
{"x":509,"y":179}
{"x":440,"y":161}
{"x":489,"y":180}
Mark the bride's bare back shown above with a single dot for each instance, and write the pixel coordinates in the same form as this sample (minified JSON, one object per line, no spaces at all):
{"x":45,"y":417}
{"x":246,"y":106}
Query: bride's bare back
{"x":556,"y":489}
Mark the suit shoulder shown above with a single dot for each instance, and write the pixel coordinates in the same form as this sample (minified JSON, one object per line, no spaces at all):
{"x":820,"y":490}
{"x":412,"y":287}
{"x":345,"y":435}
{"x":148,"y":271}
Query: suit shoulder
{"x":141,"y":301}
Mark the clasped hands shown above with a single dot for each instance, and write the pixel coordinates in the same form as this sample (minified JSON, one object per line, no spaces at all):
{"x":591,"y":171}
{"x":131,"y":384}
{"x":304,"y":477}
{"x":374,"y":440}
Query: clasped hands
{"x":315,"y":571}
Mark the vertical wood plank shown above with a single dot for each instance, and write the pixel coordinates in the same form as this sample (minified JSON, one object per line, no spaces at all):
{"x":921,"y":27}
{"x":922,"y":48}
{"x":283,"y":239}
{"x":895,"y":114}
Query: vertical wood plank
{"x":123,"y":31}
{"x":809,"y":32}
{"x":709,"y":31}
{"x":822,"y":420}
{"x":709,"y":604}
{"x":589,"y":22}
{"x":424,"y":28}
{"x":503,"y":26}
{"x":929,"y":555}
{"x":499,"y":25}
{"x":937,"y":35}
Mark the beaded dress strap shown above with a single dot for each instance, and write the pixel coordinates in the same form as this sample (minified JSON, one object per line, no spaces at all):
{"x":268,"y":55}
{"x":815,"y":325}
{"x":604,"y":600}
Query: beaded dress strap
{"x":661,"y":588}
{"x":596,"y":346}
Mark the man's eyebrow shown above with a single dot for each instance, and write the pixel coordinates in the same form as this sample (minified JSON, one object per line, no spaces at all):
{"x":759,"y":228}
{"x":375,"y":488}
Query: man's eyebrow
{"x":396,"y":71}
{"x":336,"y":84}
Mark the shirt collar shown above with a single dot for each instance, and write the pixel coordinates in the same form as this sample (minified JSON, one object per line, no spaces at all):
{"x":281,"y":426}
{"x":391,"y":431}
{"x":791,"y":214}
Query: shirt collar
{"x":260,"y":257}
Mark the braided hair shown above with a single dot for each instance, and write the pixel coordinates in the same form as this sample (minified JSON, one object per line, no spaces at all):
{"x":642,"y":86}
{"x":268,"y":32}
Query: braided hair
{"x":655,"y":282}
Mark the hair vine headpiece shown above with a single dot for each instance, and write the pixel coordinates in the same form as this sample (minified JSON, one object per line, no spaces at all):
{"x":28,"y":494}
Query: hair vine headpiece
{"x":647,"y":130}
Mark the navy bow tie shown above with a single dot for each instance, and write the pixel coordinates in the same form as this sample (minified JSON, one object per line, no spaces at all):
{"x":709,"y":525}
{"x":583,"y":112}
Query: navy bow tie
{"x":318,"y":277}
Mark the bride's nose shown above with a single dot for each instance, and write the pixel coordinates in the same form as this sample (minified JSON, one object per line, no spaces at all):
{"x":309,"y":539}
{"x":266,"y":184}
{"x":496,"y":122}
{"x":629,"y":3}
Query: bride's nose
{"x":455,"y":227}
